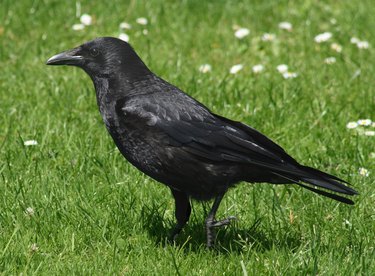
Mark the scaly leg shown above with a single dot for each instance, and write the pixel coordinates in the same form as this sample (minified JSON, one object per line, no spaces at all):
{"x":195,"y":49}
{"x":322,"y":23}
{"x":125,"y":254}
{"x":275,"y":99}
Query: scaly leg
{"x":211,"y":223}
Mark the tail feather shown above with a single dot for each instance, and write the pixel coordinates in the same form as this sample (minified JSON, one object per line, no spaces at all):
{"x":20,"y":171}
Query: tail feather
{"x":320,"y":179}
{"x":327,"y":181}
{"x":316,"y":171}
{"x":329,"y":184}
{"x":333,"y":196}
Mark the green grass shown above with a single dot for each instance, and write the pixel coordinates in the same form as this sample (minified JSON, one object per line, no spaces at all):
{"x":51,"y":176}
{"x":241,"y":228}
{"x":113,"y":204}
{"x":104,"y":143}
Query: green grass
{"x":96,"y":214}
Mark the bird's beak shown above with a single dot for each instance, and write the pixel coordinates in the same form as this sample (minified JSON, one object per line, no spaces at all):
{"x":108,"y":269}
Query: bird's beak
{"x":70,"y":57}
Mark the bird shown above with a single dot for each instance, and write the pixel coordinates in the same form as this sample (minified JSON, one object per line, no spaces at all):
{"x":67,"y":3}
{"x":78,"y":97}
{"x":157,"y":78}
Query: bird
{"x":179,"y":142}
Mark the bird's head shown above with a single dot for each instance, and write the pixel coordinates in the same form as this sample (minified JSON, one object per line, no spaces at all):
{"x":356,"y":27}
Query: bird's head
{"x":103,"y":57}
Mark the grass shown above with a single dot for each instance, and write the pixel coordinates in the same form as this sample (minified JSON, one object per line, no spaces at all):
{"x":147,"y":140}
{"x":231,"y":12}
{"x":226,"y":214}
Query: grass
{"x":96,"y":214}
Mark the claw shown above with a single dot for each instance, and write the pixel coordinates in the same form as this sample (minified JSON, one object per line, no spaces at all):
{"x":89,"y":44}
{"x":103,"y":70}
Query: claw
{"x":174,"y":234}
{"x":221,"y":222}
{"x":211,"y":224}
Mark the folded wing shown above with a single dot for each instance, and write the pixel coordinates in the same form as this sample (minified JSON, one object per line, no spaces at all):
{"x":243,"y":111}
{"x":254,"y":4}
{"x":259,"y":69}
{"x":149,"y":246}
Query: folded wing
{"x":215,"y":139}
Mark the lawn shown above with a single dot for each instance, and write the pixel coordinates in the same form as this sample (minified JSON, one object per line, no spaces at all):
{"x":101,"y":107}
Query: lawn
{"x":69,"y":202}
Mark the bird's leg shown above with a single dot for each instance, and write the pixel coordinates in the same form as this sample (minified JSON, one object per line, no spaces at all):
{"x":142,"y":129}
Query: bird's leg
{"x":211,"y":223}
{"x":183,"y":211}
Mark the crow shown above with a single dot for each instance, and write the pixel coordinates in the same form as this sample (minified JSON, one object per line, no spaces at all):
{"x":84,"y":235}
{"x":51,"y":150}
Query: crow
{"x":178,"y":141}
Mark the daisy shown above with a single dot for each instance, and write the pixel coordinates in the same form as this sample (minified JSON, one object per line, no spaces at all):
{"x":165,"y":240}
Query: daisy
{"x":364,"y":122}
{"x":290,"y":75}
{"x":142,"y":21}
{"x":268,"y":37}
{"x":125,"y":25}
{"x":78,"y":27}
{"x":241,"y":33}
{"x":323,"y":37}
{"x":363,"y":172}
{"x":363,"y":45}
{"x":330,"y":60}
{"x":285,"y":26}
{"x":336,"y":47}
{"x":236,"y":68}
{"x":369,"y":133}
{"x":351,"y":125}
{"x":29,"y":211}
{"x":282,"y":68}
{"x":30,"y":143}
{"x":354,"y":40}
{"x":205,"y":68}
{"x":86,"y":19}
{"x":34,"y":247}
{"x":257,"y":68}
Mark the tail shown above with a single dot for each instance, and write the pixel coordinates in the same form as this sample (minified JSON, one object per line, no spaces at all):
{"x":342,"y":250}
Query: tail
{"x":307,"y":176}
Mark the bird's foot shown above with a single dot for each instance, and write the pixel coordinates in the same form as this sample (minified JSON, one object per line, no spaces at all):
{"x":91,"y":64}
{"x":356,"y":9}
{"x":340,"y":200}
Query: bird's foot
{"x":211,"y":224}
{"x":174,"y":234}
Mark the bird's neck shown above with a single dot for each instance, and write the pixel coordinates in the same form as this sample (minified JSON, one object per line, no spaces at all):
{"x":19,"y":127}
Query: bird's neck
{"x":111,"y":89}
{"x":106,"y":99}
{"x":120,"y":86}
{"x":101,"y":87}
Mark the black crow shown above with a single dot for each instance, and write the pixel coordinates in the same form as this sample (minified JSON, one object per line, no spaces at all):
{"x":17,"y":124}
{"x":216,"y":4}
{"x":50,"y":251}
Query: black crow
{"x":178,"y":141}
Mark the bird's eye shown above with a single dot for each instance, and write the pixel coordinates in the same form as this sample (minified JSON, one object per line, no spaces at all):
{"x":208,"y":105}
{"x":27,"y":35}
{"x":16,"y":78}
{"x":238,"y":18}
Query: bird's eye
{"x":94,"y":52}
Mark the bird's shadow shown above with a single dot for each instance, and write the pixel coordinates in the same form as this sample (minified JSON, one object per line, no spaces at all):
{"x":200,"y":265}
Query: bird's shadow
{"x":230,"y":239}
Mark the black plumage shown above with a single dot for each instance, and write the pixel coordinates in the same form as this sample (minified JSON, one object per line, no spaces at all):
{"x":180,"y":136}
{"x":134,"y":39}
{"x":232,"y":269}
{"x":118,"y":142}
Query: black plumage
{"x":176,"y":140}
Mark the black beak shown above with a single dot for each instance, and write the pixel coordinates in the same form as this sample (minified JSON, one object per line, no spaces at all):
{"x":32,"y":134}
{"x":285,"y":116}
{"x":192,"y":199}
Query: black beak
{"x":70,"y":57}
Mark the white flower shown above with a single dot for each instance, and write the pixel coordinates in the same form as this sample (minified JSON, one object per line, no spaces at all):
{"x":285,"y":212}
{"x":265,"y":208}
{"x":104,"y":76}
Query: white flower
{"x":124,"y":37}
{"x":360,"y":44}
{"x":354,"y":40}
{"x":34,"y":247}
{"x":336,"y":47}
{"x":373,"y":124}
{"x":29,"y":211}
{"x":372,"y":155}
{"x":268,"y":37}
{"x":205,"y":68}
{"x":282,"y":68}
{"x":145,"y":32}
{"x":30,"y":143}
{"x":347,"y":222}
{"x":351,"y":125}
{"x":142,"y":21}
{"x":285,"y":26}
{"x":364,"y":122}
{"x":236,"y":68}
{"x":78,"y":27}
{"x":369,"y":133}
{"x":241,"y":33}
{"x":125,"y":26}
{"x":363,"y":45}
{"x":363,"y":172}
{"x":330,"y":60}
{"x":258,"y":68}
{"x":290,"y":75}
{"x":323,"y":37}
{"x":86,"y":19}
